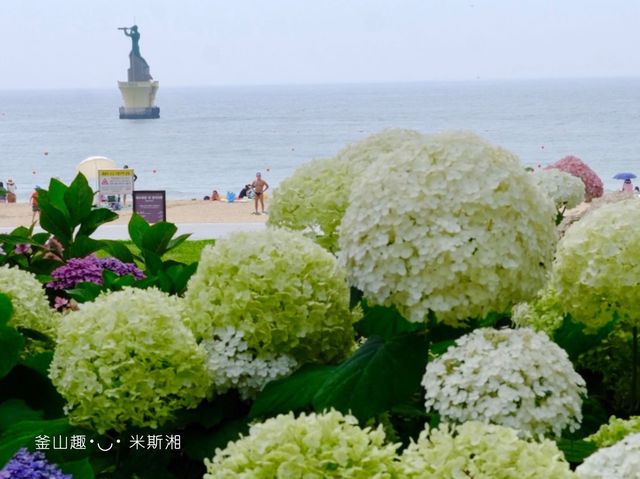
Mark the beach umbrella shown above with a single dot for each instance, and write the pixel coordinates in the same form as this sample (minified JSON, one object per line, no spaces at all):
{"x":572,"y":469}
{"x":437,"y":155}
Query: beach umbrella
{"x":624,"y":176}
{"x":90,"y":166}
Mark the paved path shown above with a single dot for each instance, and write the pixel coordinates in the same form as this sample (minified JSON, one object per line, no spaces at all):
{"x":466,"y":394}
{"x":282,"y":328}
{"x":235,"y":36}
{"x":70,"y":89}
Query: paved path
{"x":198,"y":230}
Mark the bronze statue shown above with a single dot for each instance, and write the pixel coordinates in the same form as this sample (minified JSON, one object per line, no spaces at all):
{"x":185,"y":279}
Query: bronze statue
{"x":139,"y":69}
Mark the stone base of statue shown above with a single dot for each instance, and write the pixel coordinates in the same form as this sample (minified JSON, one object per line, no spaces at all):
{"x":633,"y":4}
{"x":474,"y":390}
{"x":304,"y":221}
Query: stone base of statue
{"x":139,"y":100}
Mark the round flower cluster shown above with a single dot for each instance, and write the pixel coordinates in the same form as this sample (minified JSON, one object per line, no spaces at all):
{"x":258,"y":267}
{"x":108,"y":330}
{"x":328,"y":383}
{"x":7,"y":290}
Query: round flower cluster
{"x":622,"y":460}
{"x":544,"y":313}
{"x":575,"y":216}
{"x":477,"y":450}
{"x":281,"y":292}
{"x":469,"y":234}
{"x":30,"y":306}
{"x":615,"y":430}
{"x":233,"y":365}
{"x":310,"y":446}
{"x":566,"y":190}
{"x":31,"y":465}
{"x":512,"y":377}
{"x":575,"y":166}
{"x":316,"y":196}
{"x":89,"y":269}
{"x":127,"y":359}
{"x":597,"y":266}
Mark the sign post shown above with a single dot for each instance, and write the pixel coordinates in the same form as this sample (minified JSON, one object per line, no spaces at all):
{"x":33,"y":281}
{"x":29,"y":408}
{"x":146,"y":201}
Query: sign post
{"x":113,"y":184}
{"x":151,"y":205}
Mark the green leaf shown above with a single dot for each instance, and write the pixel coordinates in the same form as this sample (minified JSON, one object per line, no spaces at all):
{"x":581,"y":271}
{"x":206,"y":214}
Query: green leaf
{"x":138,"y":227}
{"x":15,"y":410}
{"x":292,"y":393}
{"x":384,"y":321}
{"x":85,"y":292}
{"x":118,"y":250}
{"x":11,"y":344}
{"x":576,"y":451}
{"x":39,"y":362}
{"x":200,"y":443}
{"x":78,"y":199}
{"x":55,"y":196}
{"x":83,"y":246}
{"x":382,"y":373}
{"x":6,"y":309}
{"x":180,"y":275}
{"x":96,"y":218}
{"x":571,"y":336}
{"x":78,"y":469}
{"x":156,"y":239}
{"x":55,"y":222}
{"x":177,"y":241}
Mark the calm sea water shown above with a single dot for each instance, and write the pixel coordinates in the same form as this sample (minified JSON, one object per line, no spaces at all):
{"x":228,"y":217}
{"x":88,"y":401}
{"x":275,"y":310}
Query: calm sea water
{"x":218,"y":137}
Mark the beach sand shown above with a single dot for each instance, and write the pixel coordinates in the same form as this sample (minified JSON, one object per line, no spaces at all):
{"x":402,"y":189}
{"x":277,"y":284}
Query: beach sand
{"x":178,"y":211}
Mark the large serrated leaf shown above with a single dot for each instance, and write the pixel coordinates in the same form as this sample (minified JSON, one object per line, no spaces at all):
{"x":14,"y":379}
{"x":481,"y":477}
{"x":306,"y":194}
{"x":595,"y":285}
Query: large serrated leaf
{"x":380,"y":375}
{"x":292,"y":393}
{"x":78,"y":199}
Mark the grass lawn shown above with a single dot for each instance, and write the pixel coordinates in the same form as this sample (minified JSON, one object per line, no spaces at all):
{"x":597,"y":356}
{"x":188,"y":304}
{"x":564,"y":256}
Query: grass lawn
{"x":187,"y":252}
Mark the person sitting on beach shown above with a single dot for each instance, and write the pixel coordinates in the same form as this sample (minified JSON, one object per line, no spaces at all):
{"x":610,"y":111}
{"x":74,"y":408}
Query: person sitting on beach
{"x":627,"y":186}
{"x":259,"y":187}
{"x":244,"y":192}
{"x":215,"y":196}
{"x":34,"y":205}
{"x":11,"y":188}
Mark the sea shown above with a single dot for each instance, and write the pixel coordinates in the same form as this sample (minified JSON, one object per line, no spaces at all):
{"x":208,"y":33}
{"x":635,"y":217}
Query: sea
{"x":218,"y":137}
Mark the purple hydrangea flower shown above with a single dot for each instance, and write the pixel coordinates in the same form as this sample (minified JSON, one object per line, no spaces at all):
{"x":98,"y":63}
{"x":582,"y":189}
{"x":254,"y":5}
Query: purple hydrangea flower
{"x":22,"y":248}
{"x":89,"y":269}
{"x":31,"y":465}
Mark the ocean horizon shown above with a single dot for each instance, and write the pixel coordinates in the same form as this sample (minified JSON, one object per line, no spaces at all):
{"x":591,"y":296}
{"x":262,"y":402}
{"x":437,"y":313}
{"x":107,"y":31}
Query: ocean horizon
{"x":218,"y":137}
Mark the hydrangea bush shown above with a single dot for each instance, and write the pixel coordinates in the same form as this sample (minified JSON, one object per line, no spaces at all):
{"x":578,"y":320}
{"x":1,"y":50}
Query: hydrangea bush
{"x":315,"y":197}
{"x":575,"y":166}
{"x":515,"y":378}
{"x":622,"y":460}
{"x":566,"y":190}
{"x":89,"y":269}
{"x":310,"y":446}
{"x":127,"y":359}
{"x":31,"y":465}
{"x":277,"y":296}
{"x":470,"y":234}
{"x":475,"y":450}
{"x":615,"y":430}
{"x":596,"y":268}
{"x":30,"y":305}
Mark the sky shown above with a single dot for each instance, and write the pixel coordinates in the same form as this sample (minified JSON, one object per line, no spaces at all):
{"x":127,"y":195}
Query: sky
{"x":75,"y":43}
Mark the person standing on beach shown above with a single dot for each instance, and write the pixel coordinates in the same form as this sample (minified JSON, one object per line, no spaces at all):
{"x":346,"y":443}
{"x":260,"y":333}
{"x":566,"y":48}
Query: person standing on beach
{"x":11,"y":188}
{"x":35,"y":208}
{"x":259,"y":186}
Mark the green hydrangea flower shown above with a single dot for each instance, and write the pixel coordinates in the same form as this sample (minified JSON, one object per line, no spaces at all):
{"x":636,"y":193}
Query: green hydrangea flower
{"x":30,"y":305}
{"x":313,"y":446}
{"x":316,"y":196}
{"x":126,"y":359}
{"x":469,"y":234}
{"x":566,"y":190}
{"x":283,"y":292}
{"x":615,"y":430}
{"x":475,"y":450}
{"x":597,"y":266}
{"x":544,"y":313}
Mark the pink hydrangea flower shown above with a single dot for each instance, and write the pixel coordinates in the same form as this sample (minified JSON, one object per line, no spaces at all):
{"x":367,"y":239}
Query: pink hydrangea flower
{"x":575,"y":166}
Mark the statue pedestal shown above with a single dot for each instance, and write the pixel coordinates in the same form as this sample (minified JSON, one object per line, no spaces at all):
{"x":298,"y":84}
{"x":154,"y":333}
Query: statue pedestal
{"x":139,"y":99}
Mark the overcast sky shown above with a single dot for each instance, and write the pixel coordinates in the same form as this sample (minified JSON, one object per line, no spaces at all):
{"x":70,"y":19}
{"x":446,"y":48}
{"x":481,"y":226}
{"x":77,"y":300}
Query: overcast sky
{"x":74,"y":43}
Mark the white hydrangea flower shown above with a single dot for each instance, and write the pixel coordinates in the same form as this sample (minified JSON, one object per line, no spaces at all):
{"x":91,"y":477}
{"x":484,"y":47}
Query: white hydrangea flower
{"x":315,"y":198}
{"x":566,"y":190}
{"x":30,"y":306}
{"x":597,"y":266}
{"x":620,"y":461}
{"x":513,"y":377}
{"x":233,"y":364}
{"x":544,"y":313}
{"x":447,"y":224}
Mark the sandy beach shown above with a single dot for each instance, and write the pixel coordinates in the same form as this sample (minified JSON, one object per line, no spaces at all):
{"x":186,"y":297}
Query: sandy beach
{"x":179,"y":212}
